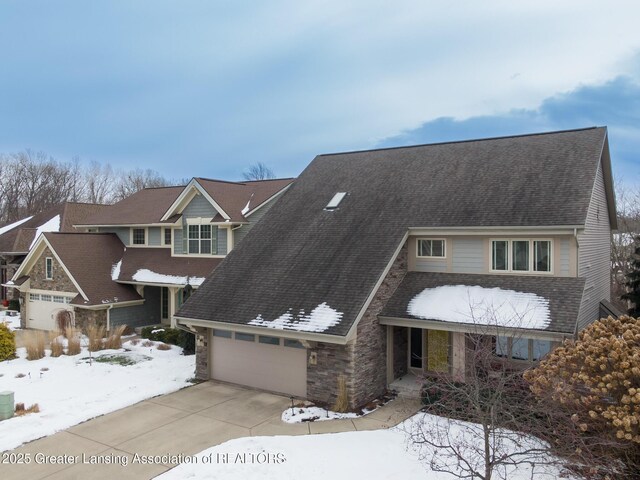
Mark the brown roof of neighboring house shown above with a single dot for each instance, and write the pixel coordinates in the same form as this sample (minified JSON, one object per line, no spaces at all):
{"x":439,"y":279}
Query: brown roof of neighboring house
{"x":20,"y":238}
{"x":143,"y":207}
{"x":148,"y":206}
{"x":160,"y":261}
{"x":233,"y":197}
{"x":89,"y":258}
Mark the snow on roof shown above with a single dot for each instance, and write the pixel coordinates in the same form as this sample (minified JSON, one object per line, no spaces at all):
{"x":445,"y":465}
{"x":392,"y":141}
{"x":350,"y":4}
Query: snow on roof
{"x":148,"y":276}
{"x":6,"y":228}
{"x":481,"y":306}
{"x":52,"y":225}
{"x":115,"y":270}
{"x":319,"y":320}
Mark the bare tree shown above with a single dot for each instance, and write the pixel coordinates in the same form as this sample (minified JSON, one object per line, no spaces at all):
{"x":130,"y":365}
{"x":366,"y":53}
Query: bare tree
{"x":628,"y":206}
{"x":484,"y":423}
{"x":133,"y":181}
{"x":99,"y":183}
{"x":258,"y":171}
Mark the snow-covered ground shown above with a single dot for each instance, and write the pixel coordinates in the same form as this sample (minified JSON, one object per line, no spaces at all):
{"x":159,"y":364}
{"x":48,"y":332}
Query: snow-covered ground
{"x":12,"y":321}
{"x":69,"y":390}
{"x":377,"y":454}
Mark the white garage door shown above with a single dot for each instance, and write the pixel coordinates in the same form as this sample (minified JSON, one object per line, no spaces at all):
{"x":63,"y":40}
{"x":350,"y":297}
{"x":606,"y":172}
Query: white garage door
{"x":268,"y":363}
{"x":43,"y":308}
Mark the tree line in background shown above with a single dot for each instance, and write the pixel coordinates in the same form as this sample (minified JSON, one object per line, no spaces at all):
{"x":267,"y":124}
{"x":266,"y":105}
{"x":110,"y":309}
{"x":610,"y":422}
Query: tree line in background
{"x":33,"y":182}
{"x":624,"y":241}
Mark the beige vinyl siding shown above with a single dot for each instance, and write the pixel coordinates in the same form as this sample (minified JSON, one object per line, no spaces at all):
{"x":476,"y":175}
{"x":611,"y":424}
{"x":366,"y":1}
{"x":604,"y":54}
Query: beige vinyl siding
{"x":467,"y":255}
{"x":472,"y":254}
{"x":564,"y":258}
{"x":594,"y":253}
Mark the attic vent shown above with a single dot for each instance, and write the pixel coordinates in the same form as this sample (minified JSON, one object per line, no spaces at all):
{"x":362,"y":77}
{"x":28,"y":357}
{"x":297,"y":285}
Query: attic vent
{"x":335,"y":201}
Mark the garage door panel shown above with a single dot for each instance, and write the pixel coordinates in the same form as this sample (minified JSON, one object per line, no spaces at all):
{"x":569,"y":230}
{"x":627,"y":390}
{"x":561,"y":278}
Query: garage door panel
{"x":41,"y":315}
{"x":269,"y":367}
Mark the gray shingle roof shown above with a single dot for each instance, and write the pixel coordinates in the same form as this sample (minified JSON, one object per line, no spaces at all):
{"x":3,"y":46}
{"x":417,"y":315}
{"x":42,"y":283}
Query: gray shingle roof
{"x":563,"y":293}
{"x":299,"y":255}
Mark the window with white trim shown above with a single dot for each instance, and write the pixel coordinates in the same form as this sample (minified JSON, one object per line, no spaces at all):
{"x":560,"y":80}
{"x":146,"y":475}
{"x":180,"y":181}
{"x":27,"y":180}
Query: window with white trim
{"x":45,"y":298}
{"x":527,"y":349}
{"x":58,"y":299}
{"x":48,"y":268}
{"x":520,"y":255}
{"x":201,"y":239}
{"x":138,"y":236}
{"x":431,"y":248}
{"x":34,"y":296}
{"x":167,"y":236}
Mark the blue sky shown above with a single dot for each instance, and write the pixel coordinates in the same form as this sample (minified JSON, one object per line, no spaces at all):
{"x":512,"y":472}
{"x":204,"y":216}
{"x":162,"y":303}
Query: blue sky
{"x":209,"y":87}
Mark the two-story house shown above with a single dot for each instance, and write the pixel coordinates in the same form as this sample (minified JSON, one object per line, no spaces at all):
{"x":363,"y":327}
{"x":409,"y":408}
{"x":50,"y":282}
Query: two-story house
{"x":375,"y":264}
{"x":134,"y":262}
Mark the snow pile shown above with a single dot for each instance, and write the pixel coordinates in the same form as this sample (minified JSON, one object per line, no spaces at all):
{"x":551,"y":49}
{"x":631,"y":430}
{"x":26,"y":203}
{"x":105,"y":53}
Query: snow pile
{"x":481,"y":306}
{"x":13,"y":225}
{"x":313,"y":414}
{"x":72,"y":390}
{"x":53,"y":225}
{"x":376,"y":454}
{"x":115,"y":271}
{"x":319,"y":320}
{"x":148,"y":276}
{"x":246,"y":208}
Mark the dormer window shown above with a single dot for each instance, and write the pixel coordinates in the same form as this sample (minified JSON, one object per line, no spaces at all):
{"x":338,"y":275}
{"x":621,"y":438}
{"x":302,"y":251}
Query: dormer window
{"x":335,"y":201}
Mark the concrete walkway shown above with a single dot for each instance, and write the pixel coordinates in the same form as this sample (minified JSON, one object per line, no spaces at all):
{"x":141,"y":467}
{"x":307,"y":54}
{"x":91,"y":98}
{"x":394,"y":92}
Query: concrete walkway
{"x":185,"y":422}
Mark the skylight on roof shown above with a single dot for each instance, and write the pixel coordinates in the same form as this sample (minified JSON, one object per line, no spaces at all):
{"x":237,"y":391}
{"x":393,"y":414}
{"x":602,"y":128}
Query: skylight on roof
{"x":335,"y":201}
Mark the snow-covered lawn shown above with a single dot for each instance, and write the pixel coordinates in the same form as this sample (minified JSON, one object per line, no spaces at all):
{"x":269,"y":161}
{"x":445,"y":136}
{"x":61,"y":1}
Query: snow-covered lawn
{"x":12,"y":321}
{"x":377,"y":454}
{"x":69,"y":390}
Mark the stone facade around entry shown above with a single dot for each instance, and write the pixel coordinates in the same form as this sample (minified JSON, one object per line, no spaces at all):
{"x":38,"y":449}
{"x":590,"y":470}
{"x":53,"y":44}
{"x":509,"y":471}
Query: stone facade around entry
{"x":370,"y":349}
{"x":332,"y":362}
{"x":202,"y":354}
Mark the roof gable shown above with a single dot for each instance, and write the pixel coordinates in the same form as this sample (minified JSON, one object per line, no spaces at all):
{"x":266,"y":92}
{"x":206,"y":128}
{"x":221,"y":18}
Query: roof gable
{"x":74,"y":251}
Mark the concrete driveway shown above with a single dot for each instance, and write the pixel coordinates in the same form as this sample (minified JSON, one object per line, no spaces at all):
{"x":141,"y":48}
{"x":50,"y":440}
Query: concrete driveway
{"x":185,"y":422}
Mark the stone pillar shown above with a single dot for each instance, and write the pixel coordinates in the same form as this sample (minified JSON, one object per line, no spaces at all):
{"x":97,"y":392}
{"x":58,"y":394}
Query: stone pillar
{"x":202,"y":354}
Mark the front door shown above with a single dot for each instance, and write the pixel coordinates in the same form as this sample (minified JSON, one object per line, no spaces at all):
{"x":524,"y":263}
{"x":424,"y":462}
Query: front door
{"x":429,"y":350}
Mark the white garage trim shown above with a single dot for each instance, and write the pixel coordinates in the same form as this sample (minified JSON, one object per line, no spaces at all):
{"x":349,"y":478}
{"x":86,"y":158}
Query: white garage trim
{"x":257,"y":362}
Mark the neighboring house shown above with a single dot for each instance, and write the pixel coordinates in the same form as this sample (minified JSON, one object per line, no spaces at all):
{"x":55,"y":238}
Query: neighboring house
{"x":19,"y":237}
{"x":135,"y":261}
{"x":378,"y":264}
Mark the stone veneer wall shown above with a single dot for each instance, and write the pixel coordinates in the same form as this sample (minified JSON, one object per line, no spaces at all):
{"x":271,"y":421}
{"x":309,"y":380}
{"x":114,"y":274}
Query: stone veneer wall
{"x":322,"y":378}
{"x":364,"y":361}
{"x":60,"y":281}
{"x":202,"y":354}
{"x":370,"y":359}
{"x":400,"y":351}
{"x":84,"y":317}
